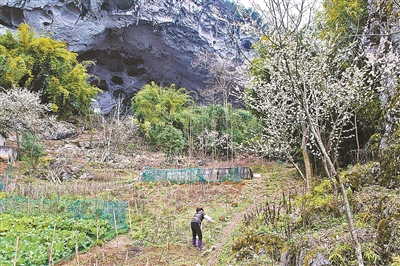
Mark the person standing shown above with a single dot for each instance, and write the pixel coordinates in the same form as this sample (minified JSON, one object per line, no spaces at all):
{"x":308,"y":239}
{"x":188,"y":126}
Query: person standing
{"x":195,"y":225}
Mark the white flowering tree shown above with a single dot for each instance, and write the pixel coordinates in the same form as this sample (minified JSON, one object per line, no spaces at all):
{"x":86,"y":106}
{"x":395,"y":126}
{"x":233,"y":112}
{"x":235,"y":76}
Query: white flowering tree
{"x":21,"y":110}
{"x":306,"y":91}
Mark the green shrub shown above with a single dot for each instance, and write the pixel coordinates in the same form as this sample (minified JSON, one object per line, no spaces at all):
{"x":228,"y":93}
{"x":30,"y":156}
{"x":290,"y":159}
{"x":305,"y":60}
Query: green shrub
{"x":359,"y":176}
{"x":321,"y":201}
{"x":171,"y":140}
{"x":33,"y":148}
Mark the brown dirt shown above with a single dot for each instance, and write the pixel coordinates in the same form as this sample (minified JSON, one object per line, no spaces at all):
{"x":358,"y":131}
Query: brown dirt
{"x":120,"y":251}
{"x":3,"y":167}
{"x":228,"y":229}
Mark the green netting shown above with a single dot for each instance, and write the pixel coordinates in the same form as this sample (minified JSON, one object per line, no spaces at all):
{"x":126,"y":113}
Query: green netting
{"x":191,"y":175}
{"x":114,"y":212}
{"x":6,"y":175}
{"x":188,"y":175}
{"x":72,"y":225}
{"x":233,"y":176}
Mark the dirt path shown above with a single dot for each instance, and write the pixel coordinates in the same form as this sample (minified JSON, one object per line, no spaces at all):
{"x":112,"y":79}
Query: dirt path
{"x":230,"y":226}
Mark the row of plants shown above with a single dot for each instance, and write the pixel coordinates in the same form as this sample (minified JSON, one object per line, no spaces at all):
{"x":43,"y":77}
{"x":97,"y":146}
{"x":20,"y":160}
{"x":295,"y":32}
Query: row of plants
{"x":161,"y":212}
{"x":40,"y":240}
{"x":38,"y":232}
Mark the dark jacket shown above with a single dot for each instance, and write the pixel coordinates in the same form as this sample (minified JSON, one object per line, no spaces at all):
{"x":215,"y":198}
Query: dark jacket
{"x":198,"y":217}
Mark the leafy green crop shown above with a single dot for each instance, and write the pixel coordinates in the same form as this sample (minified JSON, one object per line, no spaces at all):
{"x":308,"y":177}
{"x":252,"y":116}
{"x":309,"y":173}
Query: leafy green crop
{"x":40,"y":234}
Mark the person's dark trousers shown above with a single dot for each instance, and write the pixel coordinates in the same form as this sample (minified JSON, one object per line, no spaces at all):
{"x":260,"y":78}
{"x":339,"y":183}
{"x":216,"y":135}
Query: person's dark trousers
{"x":196,"y":230}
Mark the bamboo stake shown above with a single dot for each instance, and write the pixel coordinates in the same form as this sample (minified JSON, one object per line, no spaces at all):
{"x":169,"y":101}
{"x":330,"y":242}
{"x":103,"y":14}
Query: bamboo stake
{"x":76,"y":251}
{"x":29,"y":208}
{"x":16,"y":251}
{"x":130,"y":217}
{"x":116,"y":228}
{"x":115,"y":223}
{"x":97,"y":225}
{"x":51,"y":246}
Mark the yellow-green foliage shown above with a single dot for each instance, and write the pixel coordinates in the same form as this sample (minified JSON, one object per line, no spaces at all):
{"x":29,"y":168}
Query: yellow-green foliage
{"x":321,"y":200}
{"x":359,"y":176}
{"x":158,"y":105}
{"x":252,"y":243}
{"x":377,"y":210}
{"x":344,"y":18}
{"x":395,"y":260}
{"x":388,"y":227}
{"x":341,"y":254}
{"x":42,"y":64}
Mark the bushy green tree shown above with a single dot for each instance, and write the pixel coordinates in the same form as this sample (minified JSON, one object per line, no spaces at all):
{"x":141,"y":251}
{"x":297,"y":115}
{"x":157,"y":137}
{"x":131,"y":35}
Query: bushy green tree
{"x":44,"y":65}
{"x":156,"y":107}
{"x":171,"y":140}
{"x":209,"y":130}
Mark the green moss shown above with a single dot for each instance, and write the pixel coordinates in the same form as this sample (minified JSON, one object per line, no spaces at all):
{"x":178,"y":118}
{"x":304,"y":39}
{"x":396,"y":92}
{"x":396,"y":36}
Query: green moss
{"x":321,"y":200}
{"x":359,"y":176}
{"x":251,"y":243}
{"x":390,"y":160}
{"x":341,"y":254}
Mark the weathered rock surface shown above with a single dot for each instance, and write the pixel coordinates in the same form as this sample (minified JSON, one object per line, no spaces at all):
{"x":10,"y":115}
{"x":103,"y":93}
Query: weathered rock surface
{"x":134,"y":42}
{"x":382,"y":37}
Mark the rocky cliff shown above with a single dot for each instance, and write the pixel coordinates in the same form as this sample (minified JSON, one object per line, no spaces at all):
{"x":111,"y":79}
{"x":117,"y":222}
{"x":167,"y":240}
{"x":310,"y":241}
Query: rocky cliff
{"x":382,"y":38}
{"x":134,"y":42}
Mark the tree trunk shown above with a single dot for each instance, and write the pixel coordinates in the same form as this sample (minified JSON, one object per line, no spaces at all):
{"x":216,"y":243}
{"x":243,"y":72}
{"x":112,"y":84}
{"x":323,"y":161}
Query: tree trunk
{"x":334,"y":176}
{"x":308,"y":174}
{"x":306,"y":158}
{"x":357,"y":141}
{"x":304,"y":194}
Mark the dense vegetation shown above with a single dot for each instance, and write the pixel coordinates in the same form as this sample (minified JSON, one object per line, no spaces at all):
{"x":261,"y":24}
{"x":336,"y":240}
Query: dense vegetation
{"x":170,"y":119}
{"x":44,"y":65}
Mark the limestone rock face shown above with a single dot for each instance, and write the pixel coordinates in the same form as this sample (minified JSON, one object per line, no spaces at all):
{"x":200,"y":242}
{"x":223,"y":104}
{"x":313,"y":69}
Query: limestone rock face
{"x":382,"y":38}
{"x":134,"y":42}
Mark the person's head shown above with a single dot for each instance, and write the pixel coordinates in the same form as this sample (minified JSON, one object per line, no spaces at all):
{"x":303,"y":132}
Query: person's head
{"x":199,"y":209}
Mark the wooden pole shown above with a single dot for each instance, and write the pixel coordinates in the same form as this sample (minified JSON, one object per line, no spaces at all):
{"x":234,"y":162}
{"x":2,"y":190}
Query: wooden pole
{"x":51,"y":246}
{"x":76,"y":251}
{"x":130,"y":217}
{"x":115,"y":223}
{"x":97,"y":225}
{"x":16,"y":251}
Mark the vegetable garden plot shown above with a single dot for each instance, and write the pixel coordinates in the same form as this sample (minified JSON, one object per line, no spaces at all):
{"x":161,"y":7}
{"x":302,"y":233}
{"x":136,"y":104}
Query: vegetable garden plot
{"x":45,"y":231}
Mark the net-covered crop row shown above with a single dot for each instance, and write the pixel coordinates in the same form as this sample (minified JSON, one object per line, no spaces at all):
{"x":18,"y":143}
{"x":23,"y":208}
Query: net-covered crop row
{"x":43,"y":231}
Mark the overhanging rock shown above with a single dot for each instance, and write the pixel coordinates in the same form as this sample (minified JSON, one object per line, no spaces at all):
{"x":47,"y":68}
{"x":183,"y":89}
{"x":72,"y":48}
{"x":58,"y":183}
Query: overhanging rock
{"x":134,"y":42}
